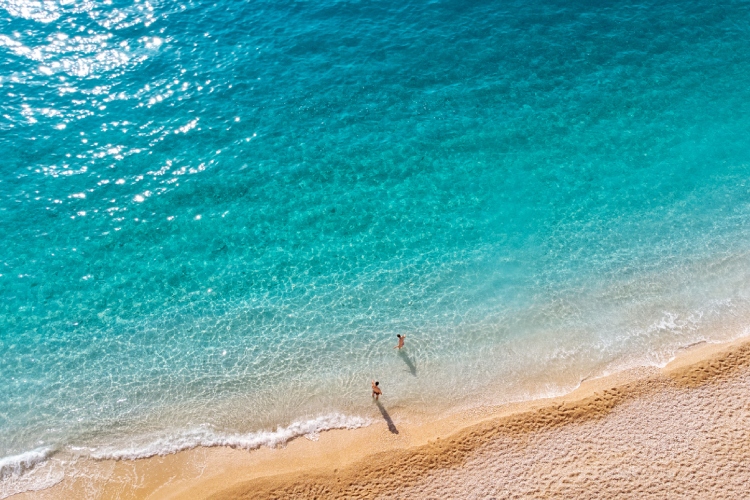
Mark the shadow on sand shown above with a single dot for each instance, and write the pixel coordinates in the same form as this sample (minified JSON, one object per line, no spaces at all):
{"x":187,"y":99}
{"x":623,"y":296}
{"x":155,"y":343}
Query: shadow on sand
{"x":386,"y":417}
{"x":407,"y":360}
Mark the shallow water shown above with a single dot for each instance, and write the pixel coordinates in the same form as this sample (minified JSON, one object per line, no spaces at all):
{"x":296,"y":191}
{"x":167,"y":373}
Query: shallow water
{"x":216,"y":216}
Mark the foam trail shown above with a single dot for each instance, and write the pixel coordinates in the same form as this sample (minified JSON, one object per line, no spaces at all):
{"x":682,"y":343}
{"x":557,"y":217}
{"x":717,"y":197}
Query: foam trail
{"x":28,"y":471}
{"x":15,"y":465}
{"x":208,"y":437}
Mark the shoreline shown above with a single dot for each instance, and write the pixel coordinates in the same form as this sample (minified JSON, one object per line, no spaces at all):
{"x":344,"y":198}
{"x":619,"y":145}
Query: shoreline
{"x":386,"y":456}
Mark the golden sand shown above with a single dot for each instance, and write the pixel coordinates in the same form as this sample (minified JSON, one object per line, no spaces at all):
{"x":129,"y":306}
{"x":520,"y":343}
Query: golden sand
{"x":678,"y":432}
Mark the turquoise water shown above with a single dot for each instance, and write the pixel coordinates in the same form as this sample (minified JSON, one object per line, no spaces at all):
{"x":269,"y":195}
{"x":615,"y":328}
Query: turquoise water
{"x":216,"y":216}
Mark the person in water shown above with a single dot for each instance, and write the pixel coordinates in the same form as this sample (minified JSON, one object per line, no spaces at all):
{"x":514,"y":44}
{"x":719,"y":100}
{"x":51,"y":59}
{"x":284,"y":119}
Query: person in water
{"x":400,"y":341}
{"x":376,"y":392}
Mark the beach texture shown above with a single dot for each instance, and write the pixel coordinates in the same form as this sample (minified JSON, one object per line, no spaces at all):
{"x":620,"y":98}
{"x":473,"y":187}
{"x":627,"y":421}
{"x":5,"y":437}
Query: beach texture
{"x":678,"y":432}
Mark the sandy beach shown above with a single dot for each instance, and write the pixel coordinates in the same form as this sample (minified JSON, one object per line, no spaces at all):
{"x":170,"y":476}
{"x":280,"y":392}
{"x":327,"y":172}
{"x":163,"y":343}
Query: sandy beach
{"x":682,"y":431}
{"x":217,"y":217}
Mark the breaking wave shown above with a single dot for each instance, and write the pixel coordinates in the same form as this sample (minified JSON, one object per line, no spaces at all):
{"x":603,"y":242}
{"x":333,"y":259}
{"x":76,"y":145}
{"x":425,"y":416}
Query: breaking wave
{"x":207,"y":436}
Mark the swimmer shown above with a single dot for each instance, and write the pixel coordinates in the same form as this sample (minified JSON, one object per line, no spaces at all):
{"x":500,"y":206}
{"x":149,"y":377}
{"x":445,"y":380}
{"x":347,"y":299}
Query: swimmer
{"x":376,"y":392}
{"x":400,"y":341}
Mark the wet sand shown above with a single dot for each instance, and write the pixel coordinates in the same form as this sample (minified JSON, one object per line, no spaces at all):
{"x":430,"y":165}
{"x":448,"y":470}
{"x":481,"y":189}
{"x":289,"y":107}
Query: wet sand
{"x":678,"y":432}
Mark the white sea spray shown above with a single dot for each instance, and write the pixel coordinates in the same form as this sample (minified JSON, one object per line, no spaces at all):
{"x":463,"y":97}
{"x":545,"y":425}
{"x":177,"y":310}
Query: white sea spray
{"x":28,"y":471}
{"x":207,"y":436}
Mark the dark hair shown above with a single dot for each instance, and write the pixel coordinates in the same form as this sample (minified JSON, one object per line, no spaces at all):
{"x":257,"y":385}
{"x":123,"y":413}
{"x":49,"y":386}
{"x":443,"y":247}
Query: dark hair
{"x":377,"y":383}
{"x":398,"y":335}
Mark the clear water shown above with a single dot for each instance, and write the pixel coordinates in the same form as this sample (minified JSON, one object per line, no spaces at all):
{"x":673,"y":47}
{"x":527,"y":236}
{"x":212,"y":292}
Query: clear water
{"x":216,"y":216}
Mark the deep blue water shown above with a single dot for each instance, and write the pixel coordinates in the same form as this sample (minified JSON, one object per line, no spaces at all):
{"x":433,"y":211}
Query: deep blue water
{"x":221,"y":213}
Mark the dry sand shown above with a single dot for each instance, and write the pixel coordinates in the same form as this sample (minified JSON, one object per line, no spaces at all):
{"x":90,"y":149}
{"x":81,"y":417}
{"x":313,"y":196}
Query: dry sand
{"x":678,"y":432}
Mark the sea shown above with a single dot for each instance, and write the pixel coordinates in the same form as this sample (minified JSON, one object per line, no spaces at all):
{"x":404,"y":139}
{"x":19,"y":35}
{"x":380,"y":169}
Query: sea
{"x":216,"y":216}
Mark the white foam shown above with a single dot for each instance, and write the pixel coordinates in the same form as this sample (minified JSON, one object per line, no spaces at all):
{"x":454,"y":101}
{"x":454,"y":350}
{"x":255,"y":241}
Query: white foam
{"x":206,"y":436}
{"x":15,"y":465}
{"x":28,"y":471}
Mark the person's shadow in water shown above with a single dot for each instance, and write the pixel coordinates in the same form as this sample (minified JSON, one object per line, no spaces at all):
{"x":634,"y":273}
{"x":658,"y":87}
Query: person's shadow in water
{"x":408,"y":361}
{"x":386,"y":417}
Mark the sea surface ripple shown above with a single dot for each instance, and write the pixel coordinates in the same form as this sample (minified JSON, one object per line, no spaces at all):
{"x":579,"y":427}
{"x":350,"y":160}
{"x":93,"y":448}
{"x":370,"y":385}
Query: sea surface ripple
{"x":216,"y":216}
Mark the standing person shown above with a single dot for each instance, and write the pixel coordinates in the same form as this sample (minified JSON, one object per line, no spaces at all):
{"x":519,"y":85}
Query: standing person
{"x":400,"y":341}
{"x":376,"y":392}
